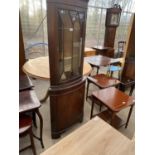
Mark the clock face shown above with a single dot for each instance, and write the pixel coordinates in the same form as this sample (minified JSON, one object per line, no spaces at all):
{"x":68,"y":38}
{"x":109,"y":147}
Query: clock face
{"x":114,"y":19}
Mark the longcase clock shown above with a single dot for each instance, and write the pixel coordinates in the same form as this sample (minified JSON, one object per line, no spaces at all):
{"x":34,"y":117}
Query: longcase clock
{"x":66,"y":20}
{"x":112,"y":22}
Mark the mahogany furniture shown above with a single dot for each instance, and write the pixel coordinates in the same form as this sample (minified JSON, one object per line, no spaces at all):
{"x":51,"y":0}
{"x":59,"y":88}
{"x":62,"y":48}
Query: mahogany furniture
{"x":112,"y":22}
{"x":66,"y":22}
{"x":25,"y":128}
{"x":21,"y":49}
{"x":96,"y":137}
{"x":102,"y":81}
{"x":39,"y":68}
{"x":128,"y":73}
{"x":28,"y":102}
{"x":25,"y":83}
{"x":99,"y":60}
{"x":103,"y":50}
{"x":115,"y":101}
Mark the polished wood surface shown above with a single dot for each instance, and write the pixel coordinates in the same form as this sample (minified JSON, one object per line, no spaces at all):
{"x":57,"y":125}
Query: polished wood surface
{"x":96,"y":137}
{"x":113,"y":98}
{"x":102,"y":81}
{"x":25,"y":83}
{"x":21,"y":49}
{"x":28,"y":101}
{"x":39,"y":68}
{"x":66,"y":22}
{"x":100,"y":60}
{"x":66,"y":107}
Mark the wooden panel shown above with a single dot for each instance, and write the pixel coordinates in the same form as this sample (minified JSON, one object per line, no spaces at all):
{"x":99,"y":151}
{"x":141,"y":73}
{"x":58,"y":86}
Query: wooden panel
{"x":129,"y":66}
{"x":109,"y":38}
{"x":96,"y":137}
{"x":66,"y":107}
{"x":21,"y":49}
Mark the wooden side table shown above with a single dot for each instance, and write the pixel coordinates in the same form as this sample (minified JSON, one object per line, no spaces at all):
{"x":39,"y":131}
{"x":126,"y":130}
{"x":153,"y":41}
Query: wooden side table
{"x":115,"y":101}
{"x":101,"y":81}
{"x":105,"y":51}
{"x":28,"y":102}
{"x":99,"y":61}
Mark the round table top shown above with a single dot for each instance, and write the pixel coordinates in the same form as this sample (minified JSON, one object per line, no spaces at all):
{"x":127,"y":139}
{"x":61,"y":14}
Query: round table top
{"x":39,"y":68}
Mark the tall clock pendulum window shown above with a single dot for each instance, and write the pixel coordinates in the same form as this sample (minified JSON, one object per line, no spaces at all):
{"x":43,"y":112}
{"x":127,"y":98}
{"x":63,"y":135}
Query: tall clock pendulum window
{"x":66,"y":20}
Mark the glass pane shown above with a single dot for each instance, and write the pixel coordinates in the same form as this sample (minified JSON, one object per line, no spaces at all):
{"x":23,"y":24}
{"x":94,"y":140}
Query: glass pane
{"x":65,"y":44}
{"x":76,"y":45}
{"x":93,"y":25}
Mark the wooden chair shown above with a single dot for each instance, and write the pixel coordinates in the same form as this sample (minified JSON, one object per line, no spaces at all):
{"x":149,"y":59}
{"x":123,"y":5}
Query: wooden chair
{"x":117,"y":66}
{"x":102,"y":82}
{"x":25,"y":128}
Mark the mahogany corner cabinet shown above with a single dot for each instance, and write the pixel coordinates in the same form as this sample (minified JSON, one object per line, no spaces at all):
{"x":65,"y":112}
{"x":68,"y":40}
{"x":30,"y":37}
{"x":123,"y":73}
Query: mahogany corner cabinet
{"x":66,"y":21}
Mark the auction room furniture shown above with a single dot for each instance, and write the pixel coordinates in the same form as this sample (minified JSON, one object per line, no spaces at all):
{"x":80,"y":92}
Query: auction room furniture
{"x":39,"y":68}
{"x":98,"y":61}
{"x":66,"y":22}
{"x":128,"y":73}
{"x":96,"y":137}
{"x":101,"y":81}
{"x":115,"y":101}
{"x":25,"y":128}
{"x":28,"y":102}
{"x":105,"y":51}
{"x":25,"y":83}
{"x":117,"y":67}
{"x":112,"y":22}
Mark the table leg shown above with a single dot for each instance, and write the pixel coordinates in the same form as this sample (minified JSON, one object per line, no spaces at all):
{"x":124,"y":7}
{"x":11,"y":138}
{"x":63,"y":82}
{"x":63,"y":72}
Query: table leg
{"x":126,"y":125}
{"x":41,"y":127}
{"x":131,"y":90}
{"x":46,"y":96}
{"x":98,"y":69}
{"x":87,"y":89}
{"x":112,"y":118}
{"x":92,"y":107}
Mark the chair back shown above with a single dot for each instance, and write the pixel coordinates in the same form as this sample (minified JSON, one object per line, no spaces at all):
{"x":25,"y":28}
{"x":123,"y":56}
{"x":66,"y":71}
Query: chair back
{"x":120,"y":50}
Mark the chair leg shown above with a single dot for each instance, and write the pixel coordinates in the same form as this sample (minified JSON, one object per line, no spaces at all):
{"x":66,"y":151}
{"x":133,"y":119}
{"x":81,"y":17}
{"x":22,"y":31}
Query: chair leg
{"x":32,"y":142}
{"x":97,"y":70}
{"x":131,"y":90}
{"x":111,"y":75}
{"x":126,"y":125}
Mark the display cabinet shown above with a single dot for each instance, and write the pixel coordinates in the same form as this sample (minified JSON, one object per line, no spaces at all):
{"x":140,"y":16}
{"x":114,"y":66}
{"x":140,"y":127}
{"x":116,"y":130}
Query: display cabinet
{"x":66,"y":20}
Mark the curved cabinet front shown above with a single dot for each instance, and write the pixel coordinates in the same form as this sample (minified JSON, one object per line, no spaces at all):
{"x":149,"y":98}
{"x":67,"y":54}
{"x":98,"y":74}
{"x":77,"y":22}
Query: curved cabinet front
{"x":66,"y":105}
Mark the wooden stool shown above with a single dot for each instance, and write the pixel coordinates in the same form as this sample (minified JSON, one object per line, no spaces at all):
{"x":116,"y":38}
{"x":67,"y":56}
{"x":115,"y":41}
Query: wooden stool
{"x":115,"y":101}
{"x":25,"y":128}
